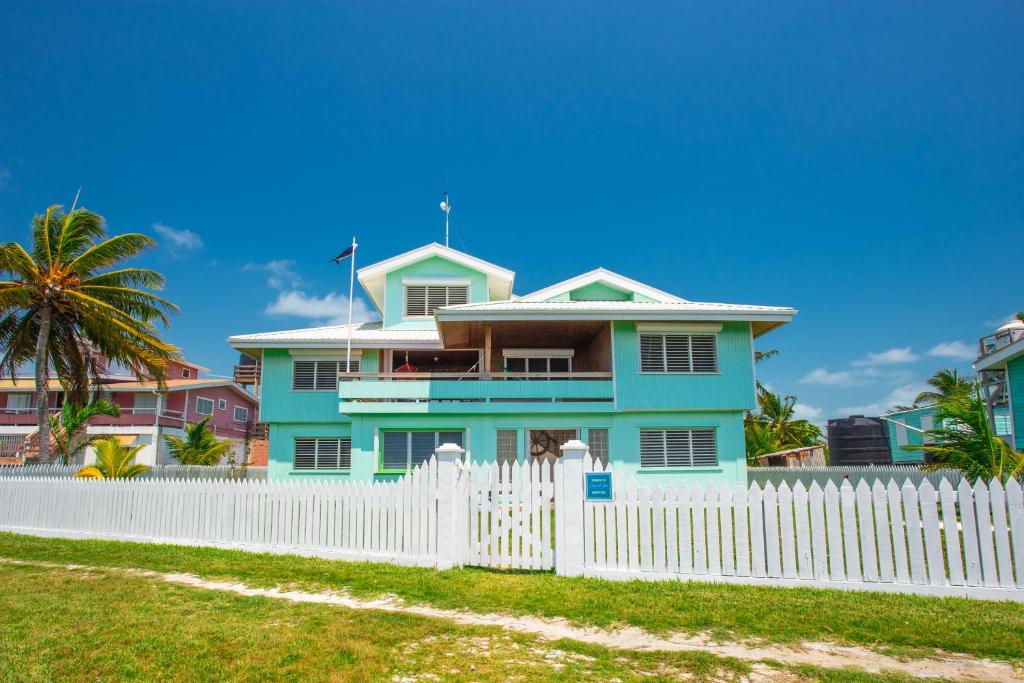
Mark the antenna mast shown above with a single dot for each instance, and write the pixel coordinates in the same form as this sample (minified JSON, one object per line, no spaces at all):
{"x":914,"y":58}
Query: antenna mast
{"x":447,"y":208}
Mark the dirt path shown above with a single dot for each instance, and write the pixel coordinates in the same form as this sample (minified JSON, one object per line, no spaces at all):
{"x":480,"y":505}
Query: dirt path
{"x":821,"y":654}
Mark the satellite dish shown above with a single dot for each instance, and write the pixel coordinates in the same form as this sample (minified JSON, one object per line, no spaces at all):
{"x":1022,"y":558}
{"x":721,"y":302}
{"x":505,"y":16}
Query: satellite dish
{"x":444,"y":206}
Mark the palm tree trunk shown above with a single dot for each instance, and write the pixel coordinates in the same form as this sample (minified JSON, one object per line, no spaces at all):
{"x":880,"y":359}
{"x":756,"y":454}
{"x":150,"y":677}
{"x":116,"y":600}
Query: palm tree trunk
{"x":42,"y":384}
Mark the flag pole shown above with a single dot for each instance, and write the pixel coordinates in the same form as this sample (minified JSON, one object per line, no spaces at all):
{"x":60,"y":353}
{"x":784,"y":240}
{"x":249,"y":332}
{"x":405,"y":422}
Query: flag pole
{"x":351,"y":285}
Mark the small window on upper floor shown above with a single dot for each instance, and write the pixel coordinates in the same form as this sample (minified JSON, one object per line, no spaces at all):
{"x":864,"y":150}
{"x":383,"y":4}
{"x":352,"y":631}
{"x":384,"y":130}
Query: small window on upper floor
{"x":186,"y":373}
{"x":422,"y":300}
{"x":678,"y":353}
{"x":319,"y":375}
{"x":241,"y":414}
{"x":204,"y":406}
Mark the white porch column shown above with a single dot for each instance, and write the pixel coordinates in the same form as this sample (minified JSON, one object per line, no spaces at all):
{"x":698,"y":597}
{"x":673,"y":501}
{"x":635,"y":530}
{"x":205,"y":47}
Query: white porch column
{"x":449,"y":535}
{"x":569,"y":509}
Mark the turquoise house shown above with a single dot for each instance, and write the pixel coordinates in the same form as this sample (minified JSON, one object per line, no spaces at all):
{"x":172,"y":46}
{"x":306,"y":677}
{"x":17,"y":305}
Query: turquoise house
{"x":908,"y":427}
{"x":1000,"y":366}
{"x":652,"y":382}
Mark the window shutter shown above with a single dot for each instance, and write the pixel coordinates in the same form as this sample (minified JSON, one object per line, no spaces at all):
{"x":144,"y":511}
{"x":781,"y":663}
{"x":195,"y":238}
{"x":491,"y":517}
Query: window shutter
{"x":415,"y":300}
{"x":422,"y":445}
{"x":327,"y":454}
{"x":345,"y":454}
{"x":305,"y":454}
{"x":437,"y":297}
{"x":677,"y":448}
{"x":303,"y":375}
{"x":395,"y":450}
{"x":326,"y":375}
{"x":704,"y":352}
{"x":458,"y":295}
{"x":652,"y":448}
{"x":652,"y":353}
{"x":704,"y":449}
{"x":677,"y":353}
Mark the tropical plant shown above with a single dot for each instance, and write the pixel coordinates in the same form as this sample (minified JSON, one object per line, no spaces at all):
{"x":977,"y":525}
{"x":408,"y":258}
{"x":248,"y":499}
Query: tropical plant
{"x":965,"y":440}
{"x":66,"y":305}
{"x":947,"y":384}
{"x":68,"y":427}
{"x":1019,"y":315}
{"x":113,"y":461}
{"x":773,"y":427}
{"x":199,"y":447}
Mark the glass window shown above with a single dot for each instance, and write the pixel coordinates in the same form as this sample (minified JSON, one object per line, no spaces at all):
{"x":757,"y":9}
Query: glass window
{"x":597,"y":440}
{"x":204,"y":406}
{"x":241,"y":414}
{"x":403,"y":450}
{"x":507,"y":446}
{"x":144,"y":404}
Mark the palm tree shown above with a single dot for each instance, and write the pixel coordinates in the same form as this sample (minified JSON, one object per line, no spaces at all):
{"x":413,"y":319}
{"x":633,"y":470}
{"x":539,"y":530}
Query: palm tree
{"x":966,"y":442}
{"x":947,"y":384}
{"x":773,"y":428}
{"x":68,"y":428}
{"x":113,"y":461}
{"x":66,"y":304}
{"x":199,"y":447}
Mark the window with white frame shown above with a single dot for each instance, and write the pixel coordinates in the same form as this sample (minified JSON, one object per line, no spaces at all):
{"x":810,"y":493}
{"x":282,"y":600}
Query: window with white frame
{"x":597,"y":441}
{"x":319,"y":375}
{"x":19,"y":403}
{"x":204,"y":406}
{"x":1002,"y":424}
{"x":422,"y":300}
{"x":241,"y":414}
{"x":222,"y":404}
{"x":315,"y":453}
{"x":678,"y":448}
{"x":678,"y":353}
{"x":144,"y":404}
{"x":186,"y":373}
{"x":507,"y":446}
{"x":400,"y":451}
{"x":538,"y":360}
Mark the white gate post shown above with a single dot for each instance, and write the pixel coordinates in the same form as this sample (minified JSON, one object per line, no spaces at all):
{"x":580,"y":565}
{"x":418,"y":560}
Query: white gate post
{"x":449,"y":537}
{"x":569,"y":509}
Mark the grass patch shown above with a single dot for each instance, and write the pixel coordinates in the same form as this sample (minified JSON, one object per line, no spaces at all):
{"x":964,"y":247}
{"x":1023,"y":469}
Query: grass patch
{"x":897,"y":623}
{"x":79,"y":625}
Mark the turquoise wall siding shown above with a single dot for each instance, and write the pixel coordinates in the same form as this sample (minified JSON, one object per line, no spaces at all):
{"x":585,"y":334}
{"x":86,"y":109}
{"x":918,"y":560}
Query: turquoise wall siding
{"x":481,"y":440}
{"x":917,"y":420}
{"x":435,"y":266}
{"x":1015,"y":378}
{"x":278,"y":403}
{"x":731,"y":388}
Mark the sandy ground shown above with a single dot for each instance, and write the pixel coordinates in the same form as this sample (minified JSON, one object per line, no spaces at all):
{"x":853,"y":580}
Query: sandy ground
{"x":821,"y":654}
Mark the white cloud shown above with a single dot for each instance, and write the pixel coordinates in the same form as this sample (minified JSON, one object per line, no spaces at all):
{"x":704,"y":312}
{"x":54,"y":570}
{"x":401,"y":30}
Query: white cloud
{"x":280,"y":273}
{"x":841,"y":378}
{"x":957,"y":350}
{"x":331,"y":308}
{"x":802,"y":411}
{"x":902,"y":395}
{"x":179,"y":239}
{"x":890,"y":357}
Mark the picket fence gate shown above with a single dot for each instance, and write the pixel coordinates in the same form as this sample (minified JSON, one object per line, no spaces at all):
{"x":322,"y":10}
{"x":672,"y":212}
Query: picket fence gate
{"x":909,"y":538}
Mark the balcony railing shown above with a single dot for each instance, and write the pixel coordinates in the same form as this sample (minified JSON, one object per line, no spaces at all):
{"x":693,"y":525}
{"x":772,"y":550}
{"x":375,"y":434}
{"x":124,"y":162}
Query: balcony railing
{"x":993,"y":342}
{"x":247,"y":374}
{"x":453,"y":392}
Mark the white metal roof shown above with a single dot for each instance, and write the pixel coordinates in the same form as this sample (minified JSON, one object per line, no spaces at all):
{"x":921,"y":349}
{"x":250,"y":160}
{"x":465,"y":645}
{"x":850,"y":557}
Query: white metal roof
{"x":364,"y":335}
{"x":614,"y":280}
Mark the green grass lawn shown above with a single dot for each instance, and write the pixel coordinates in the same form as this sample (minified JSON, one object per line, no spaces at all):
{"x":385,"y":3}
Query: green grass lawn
{"x":906,"y":624}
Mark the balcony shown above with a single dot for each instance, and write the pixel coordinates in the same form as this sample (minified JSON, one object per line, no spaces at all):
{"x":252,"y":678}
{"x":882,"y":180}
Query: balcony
{"x":1001,"y":339}
{"x":497,"y":392}
{"x":247,"y":373}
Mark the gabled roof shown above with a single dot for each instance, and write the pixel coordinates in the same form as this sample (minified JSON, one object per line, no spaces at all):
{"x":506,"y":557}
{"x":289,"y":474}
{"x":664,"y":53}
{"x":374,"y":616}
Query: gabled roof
{"x":22,"y":385}
{"x":499,"y":280}
{"x":764,"y":318}
{"x":604,"y":276}
{"x":364,"y":335}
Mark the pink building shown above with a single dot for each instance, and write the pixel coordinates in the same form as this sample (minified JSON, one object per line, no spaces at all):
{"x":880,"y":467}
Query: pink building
{"x":147,"y":411}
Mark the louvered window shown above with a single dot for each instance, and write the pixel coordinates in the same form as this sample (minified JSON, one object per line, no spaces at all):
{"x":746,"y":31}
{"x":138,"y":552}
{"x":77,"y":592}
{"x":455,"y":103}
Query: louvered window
{"x":678,"y":448}
{"x":322,"y":454}
{"x":422,"y":300}
{"x":319,"y":375}
{"x":401,"y":450}
{"x":678,"y":353}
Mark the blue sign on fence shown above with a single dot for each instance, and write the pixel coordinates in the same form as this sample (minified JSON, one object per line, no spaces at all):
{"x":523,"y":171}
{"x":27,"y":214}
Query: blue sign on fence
{"x":599,"y":486}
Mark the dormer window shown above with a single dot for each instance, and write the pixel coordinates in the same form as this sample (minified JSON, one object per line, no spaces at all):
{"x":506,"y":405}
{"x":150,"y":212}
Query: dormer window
{"x":423,"y":299}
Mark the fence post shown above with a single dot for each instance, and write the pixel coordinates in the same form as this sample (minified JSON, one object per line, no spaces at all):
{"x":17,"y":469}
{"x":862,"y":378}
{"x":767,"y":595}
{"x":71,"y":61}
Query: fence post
{"x":449,"y":537}
{"x":569,"y":509}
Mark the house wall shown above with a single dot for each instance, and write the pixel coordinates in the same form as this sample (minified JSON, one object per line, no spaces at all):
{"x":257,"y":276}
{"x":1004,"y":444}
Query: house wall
{"x":481,"y":440}
{"x":435,"y":266}
{"x":911,"y":418}
{"x":282,"y":405}
{"x":1015,"y":380}
{"x":731,"y":388}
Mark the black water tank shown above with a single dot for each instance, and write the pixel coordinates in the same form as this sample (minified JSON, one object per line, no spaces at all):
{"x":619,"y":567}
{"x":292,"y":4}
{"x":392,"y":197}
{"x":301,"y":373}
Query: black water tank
{"x":858,"y":440}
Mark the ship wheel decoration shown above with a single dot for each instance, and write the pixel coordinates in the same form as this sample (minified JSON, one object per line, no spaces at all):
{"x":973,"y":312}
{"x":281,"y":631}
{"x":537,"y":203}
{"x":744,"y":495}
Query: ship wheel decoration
{"x":541,"y":443}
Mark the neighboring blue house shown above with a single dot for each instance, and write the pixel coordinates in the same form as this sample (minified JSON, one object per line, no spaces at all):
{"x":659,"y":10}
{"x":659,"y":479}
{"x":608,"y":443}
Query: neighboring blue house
{"x":1001,"y":368}
{"x":906,"y":428}
{"x":652,"y":382}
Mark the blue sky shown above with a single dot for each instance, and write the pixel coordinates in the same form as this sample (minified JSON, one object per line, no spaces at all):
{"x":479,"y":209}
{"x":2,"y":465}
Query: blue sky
{"x":861,"y":162}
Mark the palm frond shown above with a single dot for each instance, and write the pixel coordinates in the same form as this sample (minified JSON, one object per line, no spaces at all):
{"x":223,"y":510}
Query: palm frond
{"x":110,"y":252}
{"x":15,"y":260}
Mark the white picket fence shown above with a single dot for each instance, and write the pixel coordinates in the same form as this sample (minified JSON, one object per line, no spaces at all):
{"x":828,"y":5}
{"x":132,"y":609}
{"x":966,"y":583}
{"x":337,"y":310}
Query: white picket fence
{"x":509,"y":515}
{"x":394,"y":521}
{"x":910,"y":538}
